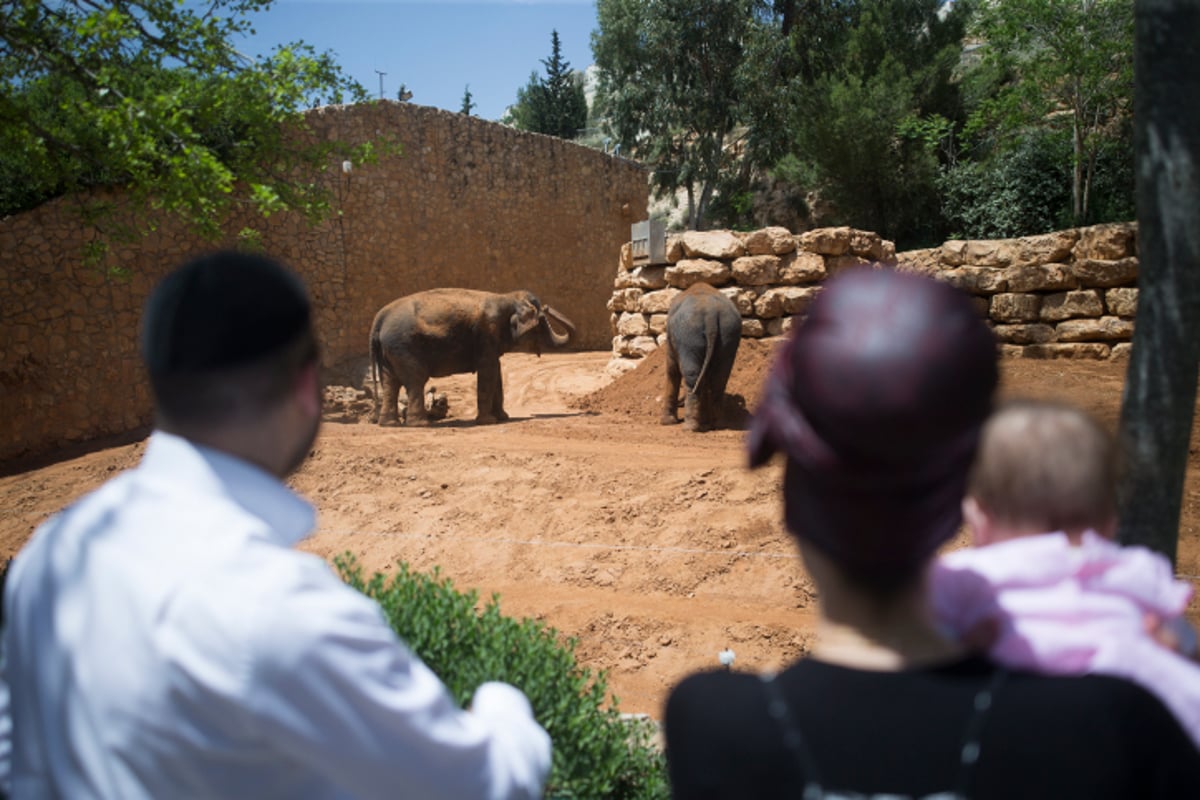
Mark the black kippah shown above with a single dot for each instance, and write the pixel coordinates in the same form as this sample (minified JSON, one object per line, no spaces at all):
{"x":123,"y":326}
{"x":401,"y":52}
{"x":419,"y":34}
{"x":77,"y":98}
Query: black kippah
{"x":222,"y":310}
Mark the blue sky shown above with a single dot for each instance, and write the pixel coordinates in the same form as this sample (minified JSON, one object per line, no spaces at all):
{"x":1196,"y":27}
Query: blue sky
{"x":435,"y":48}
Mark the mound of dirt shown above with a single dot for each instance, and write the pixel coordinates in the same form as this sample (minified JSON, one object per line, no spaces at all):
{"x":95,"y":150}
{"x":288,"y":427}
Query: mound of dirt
{"x":638,"y":392}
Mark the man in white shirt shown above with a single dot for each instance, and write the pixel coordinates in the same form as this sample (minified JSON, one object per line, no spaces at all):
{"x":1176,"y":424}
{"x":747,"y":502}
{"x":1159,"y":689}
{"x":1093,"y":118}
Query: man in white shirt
{"x":163,"y":639}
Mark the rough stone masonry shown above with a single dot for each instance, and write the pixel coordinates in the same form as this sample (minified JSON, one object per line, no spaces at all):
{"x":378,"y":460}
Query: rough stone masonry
{"x":1067,"y":294}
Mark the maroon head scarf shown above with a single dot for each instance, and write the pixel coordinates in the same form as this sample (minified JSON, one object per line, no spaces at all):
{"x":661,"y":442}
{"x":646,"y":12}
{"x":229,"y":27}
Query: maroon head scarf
{"x":877,"y":401}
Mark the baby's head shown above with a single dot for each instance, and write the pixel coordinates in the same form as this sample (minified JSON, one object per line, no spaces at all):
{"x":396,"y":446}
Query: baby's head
{"x":1042,"y":466}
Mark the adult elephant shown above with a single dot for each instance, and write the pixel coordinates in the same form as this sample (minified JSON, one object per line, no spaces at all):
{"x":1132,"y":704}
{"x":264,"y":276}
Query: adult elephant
{"x":447,"y":331}
{"x":704,"y":330}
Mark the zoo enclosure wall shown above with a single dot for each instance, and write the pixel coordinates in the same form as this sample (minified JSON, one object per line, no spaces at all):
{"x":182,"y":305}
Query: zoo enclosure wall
{"x":1065,"y":294}
{"x":466,"y":203}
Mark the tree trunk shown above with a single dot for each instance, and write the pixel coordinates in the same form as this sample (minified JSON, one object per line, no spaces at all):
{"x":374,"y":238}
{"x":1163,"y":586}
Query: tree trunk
{"x":706,"y":192}
{"x":1089,"y":174}
{"x":1077,"y":182}
{"x":1160,"y":389}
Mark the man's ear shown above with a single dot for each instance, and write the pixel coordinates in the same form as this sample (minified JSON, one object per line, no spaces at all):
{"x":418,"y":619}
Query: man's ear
{"x":307,"y":389}
{"x":978,"y":521}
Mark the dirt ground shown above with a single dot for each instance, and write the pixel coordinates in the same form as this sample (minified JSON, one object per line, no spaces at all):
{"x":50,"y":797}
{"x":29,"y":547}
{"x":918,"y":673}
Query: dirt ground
{"x":654,"y":547}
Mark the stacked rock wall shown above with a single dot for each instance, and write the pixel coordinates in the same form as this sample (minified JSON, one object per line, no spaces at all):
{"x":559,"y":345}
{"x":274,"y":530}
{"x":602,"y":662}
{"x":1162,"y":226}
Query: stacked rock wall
{"x":770,"y":274}
{"x":1068,"y":294}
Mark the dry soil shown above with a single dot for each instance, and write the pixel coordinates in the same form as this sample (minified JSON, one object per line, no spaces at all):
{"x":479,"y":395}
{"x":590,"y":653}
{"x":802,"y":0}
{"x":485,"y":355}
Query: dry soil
{"x":654,"y":547}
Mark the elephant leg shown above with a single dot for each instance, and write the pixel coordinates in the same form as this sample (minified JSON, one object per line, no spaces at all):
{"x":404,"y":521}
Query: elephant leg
{"x":386,"y":407}
{"x":417,"y":414}
{"x":498,"y":400}
{"x":710,"y":403}
{"x":719,"y":371}
{"x":489,"y":394}
{"x":670,"y":401}
{"x":710,"y":407}
{"x":693,"y":408}
{"x":716,"y":405}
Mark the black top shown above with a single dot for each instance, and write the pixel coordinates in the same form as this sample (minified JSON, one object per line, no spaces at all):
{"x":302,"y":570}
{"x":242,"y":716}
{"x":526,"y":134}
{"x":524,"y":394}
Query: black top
{"x":967,"y":729}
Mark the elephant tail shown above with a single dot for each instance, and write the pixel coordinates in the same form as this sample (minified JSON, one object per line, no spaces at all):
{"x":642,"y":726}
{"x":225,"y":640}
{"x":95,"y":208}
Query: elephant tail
{"x":376,"y":351}
{"x":710,"y":346}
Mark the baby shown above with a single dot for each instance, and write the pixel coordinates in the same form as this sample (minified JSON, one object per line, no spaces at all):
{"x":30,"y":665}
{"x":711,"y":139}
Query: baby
{"x":1046,"y":583}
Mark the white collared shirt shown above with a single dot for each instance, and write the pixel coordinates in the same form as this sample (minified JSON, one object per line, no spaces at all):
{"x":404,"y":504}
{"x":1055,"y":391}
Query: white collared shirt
{"x":163,"y":640}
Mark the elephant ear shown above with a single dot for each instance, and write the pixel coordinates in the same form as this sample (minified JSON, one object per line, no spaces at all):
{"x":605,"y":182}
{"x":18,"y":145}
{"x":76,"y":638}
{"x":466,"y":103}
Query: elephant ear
{"x":524,"y":319}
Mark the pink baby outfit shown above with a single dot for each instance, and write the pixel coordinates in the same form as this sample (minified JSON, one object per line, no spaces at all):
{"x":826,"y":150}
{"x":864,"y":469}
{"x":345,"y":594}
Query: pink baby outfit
{"x":1069,"y":609}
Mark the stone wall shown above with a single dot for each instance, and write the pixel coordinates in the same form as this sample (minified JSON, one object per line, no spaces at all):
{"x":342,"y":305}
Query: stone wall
{"x":1068,"y":294}
{"x":467,"y":203}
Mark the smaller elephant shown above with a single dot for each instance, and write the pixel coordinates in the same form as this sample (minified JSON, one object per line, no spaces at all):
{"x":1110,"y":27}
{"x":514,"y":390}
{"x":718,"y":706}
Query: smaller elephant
{"x":704,"y":329}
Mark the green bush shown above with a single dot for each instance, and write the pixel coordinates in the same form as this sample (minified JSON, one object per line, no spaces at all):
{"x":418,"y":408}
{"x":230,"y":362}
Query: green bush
{"x":1025,"y":188}
{"x":1020,"y":191}
{"x":597,"y":753}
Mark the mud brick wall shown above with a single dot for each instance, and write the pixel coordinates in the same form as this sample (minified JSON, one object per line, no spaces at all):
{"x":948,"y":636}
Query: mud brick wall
{"x":466,"y":203}
{"x":1067,"y":294}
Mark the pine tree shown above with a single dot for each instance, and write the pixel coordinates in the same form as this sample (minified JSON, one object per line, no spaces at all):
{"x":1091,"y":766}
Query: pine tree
{"x":566,"y":106}
{"x":468,"y":104}
{"x":554,"y":105}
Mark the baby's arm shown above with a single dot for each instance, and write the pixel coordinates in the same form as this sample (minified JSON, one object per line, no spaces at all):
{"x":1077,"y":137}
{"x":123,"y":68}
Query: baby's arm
{"x":963,"y":605}
{"x":1174,"y":633}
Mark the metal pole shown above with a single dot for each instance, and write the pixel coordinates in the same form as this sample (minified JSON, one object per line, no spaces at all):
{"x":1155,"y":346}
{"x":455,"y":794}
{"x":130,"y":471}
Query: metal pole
{"x":381,"y":74}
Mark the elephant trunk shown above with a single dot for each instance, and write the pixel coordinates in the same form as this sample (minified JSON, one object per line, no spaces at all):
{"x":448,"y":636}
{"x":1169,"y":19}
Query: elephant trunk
{"x":557,"y":339}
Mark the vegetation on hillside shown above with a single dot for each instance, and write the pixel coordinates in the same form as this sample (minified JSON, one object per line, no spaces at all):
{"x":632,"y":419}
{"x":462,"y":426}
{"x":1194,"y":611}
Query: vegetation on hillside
{"x":919,"y":119}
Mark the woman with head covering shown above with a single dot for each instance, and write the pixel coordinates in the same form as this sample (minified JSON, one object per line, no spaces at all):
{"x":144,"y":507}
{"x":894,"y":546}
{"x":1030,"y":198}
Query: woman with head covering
{"x":877,"y":402}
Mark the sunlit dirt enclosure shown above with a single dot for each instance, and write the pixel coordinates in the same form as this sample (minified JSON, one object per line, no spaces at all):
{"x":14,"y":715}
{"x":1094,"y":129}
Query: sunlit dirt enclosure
{"x":654,"y":547}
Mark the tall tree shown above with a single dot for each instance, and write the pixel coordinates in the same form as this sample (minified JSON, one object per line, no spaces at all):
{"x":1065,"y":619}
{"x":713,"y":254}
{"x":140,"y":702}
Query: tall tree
{"x":770,"y":66}
{"x":566,"y":106}
{"x":1160,"y":390}
{"x":874,"y":82}
{"x":554,"y":105}
{"x":152,"y":96}
{"x":468,"y":102}
{"x":1069,"y":64}
{"x":526,"y":114}
{"x":670,"y":87}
